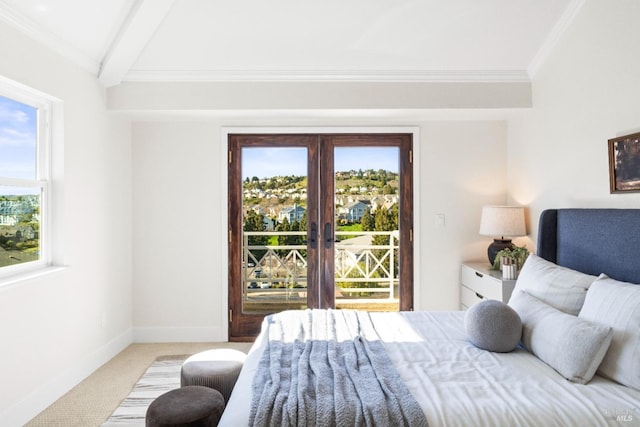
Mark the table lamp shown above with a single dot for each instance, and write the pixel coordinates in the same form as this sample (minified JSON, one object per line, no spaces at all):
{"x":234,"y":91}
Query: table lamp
{"x":501,"y":221}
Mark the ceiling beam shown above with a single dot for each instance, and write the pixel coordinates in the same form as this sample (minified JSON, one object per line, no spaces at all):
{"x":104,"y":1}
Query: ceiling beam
{"x":136,"y":31}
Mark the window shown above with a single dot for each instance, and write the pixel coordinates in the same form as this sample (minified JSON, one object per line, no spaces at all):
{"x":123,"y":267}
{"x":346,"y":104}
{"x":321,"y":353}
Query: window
{"x":24,"y":179}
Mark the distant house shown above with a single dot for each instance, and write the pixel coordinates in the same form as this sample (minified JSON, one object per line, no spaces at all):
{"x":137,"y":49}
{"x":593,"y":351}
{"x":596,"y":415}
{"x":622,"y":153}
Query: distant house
{"x":383,"y":202}
{"x":11,"y":211}
{"x":258,"y":209}
{"x":8,"y":220}
{"x":353,"y":211}
{"x":294,"y":213}
{"x":268,"y":223}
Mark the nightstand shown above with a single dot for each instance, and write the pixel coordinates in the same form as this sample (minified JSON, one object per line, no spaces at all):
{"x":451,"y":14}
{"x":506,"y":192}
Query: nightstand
{"x":478,"y":283}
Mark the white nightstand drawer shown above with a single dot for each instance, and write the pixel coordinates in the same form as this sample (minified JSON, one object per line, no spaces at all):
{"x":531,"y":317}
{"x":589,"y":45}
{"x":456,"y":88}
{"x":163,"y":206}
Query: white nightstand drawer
{"x":478,"y":282}
{"x":487,"y":286}
{"x":468,"y":297}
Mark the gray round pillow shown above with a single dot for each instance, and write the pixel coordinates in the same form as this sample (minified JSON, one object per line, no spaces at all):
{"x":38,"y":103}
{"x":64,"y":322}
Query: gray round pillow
{"x":493,"y":325}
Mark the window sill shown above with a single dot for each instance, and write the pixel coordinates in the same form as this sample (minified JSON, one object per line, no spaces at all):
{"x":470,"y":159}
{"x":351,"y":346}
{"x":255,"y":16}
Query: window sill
{"x":17,"y":279}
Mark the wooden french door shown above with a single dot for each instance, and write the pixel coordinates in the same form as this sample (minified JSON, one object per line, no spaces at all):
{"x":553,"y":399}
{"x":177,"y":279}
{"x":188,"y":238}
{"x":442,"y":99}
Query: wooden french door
{"x":293,"y":207}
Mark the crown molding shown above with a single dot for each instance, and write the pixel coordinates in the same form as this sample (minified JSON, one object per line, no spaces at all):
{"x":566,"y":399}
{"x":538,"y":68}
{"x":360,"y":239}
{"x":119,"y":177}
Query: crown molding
{"x":36,"y":32}
{"x":554,"y":37}
{"x":402,"y":76}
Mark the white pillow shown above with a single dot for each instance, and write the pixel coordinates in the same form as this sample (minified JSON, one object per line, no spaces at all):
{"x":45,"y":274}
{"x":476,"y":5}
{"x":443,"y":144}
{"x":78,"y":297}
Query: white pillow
{"x":560,"y":287}
{"x":617,"y":304}
{"x":572,"y":346}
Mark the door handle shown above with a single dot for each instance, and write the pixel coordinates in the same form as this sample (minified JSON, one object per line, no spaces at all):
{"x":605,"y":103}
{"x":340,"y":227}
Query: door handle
{"x":328,"y":236}
{"x":313,"y":237}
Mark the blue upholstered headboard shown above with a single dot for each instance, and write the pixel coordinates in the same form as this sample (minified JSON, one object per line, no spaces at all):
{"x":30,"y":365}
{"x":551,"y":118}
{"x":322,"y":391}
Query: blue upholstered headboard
{"x":593,"y":241}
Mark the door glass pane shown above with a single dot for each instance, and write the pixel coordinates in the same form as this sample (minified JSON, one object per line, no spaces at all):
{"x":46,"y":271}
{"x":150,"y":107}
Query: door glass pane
{"x":274,"y":250}
{"x":367,"y":237}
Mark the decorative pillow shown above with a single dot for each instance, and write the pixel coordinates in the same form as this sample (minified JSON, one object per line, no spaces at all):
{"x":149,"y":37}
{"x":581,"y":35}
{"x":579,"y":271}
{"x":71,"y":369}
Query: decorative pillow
{"x":560,"y":287}
{"x":617,"y":304}
{"x":572,"y":346}
{"x":493,"y":325}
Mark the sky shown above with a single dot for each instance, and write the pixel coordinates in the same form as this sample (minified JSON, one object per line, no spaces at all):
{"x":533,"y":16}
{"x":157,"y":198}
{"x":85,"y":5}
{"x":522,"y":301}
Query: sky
{"x":273,"y":161}
{"x":18,"y":132}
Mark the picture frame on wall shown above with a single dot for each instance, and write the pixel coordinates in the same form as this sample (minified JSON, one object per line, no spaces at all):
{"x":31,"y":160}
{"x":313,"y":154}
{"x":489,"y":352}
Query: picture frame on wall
{"x":624,"y":164}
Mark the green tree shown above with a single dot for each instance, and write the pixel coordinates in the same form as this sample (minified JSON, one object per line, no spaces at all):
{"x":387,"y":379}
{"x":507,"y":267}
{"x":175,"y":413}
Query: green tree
{"x":290,"y":239}
{"x":367,"y":220}
{"x":283,"y":226}
{"x":296,"y":239}
{"x":382,"y":220}
{"x":254,"y":221}
{"x":394,"y":216}
{"x":283,"y":239}
{"x":385,"y":220}
{"x":303,"y":222}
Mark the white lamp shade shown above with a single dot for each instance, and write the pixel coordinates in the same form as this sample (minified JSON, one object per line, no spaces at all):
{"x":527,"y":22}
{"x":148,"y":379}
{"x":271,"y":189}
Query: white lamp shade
{"x":502,"y":221}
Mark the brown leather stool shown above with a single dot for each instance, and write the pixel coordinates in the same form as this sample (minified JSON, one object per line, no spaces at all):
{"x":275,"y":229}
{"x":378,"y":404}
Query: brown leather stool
{"x":192,"y":406}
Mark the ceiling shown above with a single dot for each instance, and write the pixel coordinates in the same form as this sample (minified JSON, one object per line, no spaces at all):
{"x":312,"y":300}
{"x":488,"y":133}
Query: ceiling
{"x":353,"y":40}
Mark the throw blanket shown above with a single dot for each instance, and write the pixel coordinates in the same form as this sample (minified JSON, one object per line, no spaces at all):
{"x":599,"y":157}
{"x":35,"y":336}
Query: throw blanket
{"x":328,"y":368}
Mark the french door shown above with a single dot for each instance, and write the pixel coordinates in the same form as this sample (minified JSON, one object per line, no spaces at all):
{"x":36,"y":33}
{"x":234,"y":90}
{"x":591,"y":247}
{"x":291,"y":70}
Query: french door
{"x":318,"y":221}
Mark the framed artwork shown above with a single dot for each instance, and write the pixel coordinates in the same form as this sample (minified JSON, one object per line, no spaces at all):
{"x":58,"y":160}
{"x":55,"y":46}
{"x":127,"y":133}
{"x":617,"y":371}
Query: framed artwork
{"x":624,"y":164}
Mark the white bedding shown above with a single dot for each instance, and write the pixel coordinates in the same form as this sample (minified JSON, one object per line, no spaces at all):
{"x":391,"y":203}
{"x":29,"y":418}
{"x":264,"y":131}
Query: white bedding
{"x":457,"y":384}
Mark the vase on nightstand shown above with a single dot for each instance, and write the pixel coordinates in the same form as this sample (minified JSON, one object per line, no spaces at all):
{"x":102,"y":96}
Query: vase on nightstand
{"x":509,"y":268}
{"x":510,"y":272}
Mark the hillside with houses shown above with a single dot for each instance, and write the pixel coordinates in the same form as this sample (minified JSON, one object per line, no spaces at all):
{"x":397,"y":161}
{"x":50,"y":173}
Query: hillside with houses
{"x":19,"y":229}
{"x":285,"y":197}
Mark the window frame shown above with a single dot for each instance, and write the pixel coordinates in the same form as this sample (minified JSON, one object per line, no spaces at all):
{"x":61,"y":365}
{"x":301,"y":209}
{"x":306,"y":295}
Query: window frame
{"x":44,"y":106}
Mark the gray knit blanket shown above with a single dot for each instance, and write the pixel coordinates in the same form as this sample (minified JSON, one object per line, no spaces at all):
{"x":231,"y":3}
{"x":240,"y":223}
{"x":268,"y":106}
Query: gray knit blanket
{"x":328,"y":368}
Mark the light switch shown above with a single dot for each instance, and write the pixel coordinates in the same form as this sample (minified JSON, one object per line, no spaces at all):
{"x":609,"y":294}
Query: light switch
{"x":440,"y":222}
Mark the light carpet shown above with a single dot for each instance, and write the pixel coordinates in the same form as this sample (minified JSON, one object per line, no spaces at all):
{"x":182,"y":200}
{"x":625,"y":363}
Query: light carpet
{"x":163,"y":375}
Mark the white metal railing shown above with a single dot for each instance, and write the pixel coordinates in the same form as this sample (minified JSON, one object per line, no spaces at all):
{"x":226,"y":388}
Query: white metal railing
{"x":273,"y":270}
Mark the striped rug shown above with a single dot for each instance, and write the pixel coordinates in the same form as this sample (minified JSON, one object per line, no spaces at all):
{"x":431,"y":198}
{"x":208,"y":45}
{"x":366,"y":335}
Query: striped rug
{"x":163,"y":375}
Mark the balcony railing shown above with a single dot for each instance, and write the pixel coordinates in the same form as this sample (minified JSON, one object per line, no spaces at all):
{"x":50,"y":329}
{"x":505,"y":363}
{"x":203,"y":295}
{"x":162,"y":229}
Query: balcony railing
{"x":365,"y":272}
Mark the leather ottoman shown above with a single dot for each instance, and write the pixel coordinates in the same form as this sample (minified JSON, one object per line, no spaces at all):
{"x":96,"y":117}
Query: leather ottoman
{"x":193,"y":406}
{"x":218,"y":369}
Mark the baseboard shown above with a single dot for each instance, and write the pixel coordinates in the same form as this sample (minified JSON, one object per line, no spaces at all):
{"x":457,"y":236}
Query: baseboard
{"x":20,"y":413}
{"x":150,"y":335}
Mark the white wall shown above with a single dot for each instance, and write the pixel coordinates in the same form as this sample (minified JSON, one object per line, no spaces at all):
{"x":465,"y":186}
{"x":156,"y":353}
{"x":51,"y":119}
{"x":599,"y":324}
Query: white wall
{"x":586,"y":93}
{"x":179,"y":239}
{"x":58,"y":328}
{"x":462,"y":168}
{"x":180,"y":273}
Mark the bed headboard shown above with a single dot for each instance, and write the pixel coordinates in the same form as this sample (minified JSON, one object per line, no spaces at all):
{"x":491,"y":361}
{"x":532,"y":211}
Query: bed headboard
{"x":593,"y":241}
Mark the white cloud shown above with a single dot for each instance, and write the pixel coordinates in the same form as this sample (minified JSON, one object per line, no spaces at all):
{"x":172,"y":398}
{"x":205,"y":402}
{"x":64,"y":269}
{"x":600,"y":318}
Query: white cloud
{"x":18,"y":133}
{"x":12,"y":115}
{"x":17,"y":126}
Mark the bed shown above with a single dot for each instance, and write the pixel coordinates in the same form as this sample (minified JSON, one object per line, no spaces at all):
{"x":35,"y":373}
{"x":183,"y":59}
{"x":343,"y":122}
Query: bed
{"x":580,"y":279}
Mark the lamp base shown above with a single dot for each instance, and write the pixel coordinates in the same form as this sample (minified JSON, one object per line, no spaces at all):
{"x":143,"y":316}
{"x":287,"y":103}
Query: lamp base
{"x":497,"y":246}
